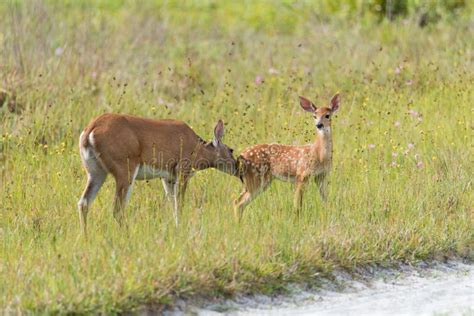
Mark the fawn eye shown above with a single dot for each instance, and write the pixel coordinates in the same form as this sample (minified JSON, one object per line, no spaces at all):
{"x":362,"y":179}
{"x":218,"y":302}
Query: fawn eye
{"x":327,"y":116}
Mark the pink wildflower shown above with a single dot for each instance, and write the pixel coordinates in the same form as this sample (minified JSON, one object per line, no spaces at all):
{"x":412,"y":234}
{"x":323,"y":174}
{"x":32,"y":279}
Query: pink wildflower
{"x":413,"y":113}
{"x":58,"y":51}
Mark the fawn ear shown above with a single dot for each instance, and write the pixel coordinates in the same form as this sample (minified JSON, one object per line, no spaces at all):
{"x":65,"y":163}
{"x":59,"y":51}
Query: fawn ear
{"x":218,"y":133}
{"x":335,"y":101}
{"x":307,"y":105}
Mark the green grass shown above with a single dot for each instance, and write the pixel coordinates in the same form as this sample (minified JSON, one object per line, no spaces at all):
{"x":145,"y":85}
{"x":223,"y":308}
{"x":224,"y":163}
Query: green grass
{"x":198,"y":63}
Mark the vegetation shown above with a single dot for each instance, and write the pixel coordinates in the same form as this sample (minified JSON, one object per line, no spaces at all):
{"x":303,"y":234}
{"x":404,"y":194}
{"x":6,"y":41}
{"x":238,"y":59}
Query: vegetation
{"x":401,"y":187}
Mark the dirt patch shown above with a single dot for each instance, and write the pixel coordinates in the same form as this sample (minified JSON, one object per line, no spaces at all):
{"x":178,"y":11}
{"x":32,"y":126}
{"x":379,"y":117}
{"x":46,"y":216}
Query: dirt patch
{"x":439,"y":288}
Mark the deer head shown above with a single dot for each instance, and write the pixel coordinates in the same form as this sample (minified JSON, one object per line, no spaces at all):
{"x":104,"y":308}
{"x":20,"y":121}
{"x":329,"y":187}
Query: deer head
{"x":220,"y":156}
{"x":322,"y":115}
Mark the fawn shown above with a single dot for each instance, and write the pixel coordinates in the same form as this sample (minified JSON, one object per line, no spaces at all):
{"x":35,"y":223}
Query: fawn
{"x":134,"y":148}
{"x":260,"y":164}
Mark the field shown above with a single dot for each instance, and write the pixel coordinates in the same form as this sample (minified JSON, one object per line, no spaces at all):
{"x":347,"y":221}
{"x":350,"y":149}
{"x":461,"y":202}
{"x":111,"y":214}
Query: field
{"x":400,"y":190}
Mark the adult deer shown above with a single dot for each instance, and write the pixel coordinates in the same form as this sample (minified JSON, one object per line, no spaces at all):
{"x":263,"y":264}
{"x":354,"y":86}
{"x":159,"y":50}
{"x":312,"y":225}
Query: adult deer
{"x":260,"y":164}
{"x":134,"y":148}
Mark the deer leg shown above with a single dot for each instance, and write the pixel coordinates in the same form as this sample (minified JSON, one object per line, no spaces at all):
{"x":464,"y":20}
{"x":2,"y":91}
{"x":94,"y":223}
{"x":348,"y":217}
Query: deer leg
{"x":168,"y":188}
{"x":298,"y":201}
{"x":96,"y":176}
{"x":240,"y":203}
{"x":171,"y":188}
{"x":94,"y":183}
{"x":178,"y":198}
{"x":182,"y":186}
{"x":123,"y":190}
{"x":252,"y":189}
{"x":174,"y":196}
{"x":243,"y":200}
{"x":119,"y":201}
{"x":322,"y":182}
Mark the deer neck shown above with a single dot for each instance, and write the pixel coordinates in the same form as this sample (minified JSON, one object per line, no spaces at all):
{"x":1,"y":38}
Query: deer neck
{"x":203,"y":158}
{"x":323,"y":146}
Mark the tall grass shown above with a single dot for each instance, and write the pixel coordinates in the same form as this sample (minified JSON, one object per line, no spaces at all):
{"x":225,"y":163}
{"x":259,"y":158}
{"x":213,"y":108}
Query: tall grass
{"x":401,"y":188}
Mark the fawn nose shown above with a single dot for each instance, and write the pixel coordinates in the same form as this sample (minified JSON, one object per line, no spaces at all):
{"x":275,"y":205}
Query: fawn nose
{"x":319,"y":125}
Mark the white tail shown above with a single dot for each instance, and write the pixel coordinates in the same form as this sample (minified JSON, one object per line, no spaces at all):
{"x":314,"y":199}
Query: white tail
{"x":133,"y":148}
{"x":260,"y":164}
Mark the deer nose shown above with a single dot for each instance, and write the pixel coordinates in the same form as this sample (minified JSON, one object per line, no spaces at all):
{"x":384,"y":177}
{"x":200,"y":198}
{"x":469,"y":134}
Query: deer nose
{"x":319,"y":125}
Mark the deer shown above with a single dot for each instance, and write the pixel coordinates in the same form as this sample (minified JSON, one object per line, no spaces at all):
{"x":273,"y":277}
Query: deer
{"x":135,"y":148}
{"x":260,"y":164}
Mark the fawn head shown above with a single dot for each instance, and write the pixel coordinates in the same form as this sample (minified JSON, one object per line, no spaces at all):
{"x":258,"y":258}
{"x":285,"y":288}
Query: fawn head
{"x":322,"y":115}
{"x":222,"y":154}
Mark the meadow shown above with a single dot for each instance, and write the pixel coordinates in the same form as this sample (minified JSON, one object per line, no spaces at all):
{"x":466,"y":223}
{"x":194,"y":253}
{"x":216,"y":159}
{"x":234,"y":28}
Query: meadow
{"x":400,"y":189}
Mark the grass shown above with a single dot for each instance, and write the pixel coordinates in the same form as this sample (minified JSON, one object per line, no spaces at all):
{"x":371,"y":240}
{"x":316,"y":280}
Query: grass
{"x":401,"y":188}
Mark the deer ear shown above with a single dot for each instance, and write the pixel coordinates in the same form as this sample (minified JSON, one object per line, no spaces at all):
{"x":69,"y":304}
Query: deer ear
{"x":307,"y":105}
{"x":218,"y":133}
{"x":335,"y":101}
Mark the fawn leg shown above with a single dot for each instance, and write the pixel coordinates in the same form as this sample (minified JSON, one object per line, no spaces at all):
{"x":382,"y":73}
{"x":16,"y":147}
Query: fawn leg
{"x":252,"y":188}
{"x":322,"y":182}
{"x":298,"y":200}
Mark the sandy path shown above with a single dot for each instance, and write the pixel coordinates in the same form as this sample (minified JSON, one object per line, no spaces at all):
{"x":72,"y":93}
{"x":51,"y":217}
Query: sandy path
{"x":446,"y":288}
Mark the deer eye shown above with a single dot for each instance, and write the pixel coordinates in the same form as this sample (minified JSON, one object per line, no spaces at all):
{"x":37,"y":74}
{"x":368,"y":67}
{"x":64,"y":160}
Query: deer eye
{"x":327,"y":116}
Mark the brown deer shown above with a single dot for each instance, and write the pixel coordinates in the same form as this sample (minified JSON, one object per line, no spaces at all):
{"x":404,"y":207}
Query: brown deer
{"x":260,"y":164}
{"x":134,"y":148}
